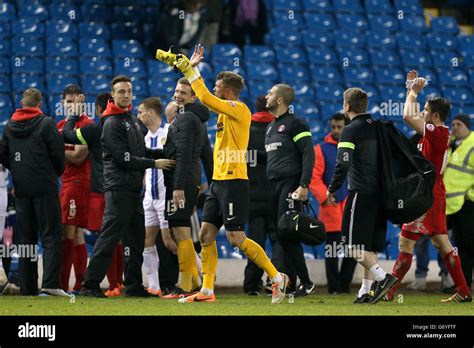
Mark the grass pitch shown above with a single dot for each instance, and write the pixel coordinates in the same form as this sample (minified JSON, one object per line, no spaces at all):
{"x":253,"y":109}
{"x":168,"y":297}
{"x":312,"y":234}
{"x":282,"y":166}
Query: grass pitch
{"x":233,"y":305}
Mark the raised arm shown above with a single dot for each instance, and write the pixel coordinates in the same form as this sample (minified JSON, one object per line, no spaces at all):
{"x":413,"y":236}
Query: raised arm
{"x":411,"y":110}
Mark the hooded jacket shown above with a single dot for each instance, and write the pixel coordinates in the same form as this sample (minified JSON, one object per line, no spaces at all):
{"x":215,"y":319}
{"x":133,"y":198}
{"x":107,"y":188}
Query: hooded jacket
{"x":260,"y":188}
{"x":33,"y":150}
{"x":124,"y":154}
{"x":183,"y":144}
{"x":207,"y":158}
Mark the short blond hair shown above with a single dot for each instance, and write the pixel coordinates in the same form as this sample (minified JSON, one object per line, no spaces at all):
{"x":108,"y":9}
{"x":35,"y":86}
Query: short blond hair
{"x":231,"y":80}
{"x":357,"y":99}
{"x":31,"y":98}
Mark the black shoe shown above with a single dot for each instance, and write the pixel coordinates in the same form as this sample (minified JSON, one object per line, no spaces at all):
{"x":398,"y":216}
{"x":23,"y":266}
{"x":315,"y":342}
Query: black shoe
{"x":365,"y":298}
{"x":380,"y":288}
{"x":139,"y":293}
{"x":253,"y":293}
{"x":97,"y":293}
{"x":305,"y":290}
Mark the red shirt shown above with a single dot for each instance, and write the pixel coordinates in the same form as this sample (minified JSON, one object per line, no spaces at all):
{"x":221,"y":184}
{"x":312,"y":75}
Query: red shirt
{"x":81,"y":173}
{"x":434,"y":146}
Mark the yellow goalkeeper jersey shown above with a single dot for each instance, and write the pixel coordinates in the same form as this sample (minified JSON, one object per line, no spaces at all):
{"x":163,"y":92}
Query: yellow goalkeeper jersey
{"x":232,"y":135}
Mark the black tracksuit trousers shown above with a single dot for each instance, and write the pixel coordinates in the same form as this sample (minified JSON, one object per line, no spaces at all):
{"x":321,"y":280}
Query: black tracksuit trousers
{"x":123,"y":220}
{"x":39,"y":218}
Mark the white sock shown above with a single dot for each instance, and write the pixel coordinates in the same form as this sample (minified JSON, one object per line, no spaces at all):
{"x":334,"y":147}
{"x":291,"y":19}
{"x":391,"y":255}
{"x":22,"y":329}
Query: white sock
{"x":378,"y":272}
{"x":151,"y":263}
{"x":278,"y":278}
{"x":207,"y":292}
{"x":365,"y":287}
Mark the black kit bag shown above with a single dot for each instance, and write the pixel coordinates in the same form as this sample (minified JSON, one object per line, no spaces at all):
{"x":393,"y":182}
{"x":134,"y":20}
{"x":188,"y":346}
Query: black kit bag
{"x":300,"y":227}
{"x":407,"y":177}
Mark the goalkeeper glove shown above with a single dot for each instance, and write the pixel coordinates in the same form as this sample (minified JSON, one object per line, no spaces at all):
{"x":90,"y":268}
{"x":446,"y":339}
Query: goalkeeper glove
{"x":184,"y":65}
{"x":168,"y":57}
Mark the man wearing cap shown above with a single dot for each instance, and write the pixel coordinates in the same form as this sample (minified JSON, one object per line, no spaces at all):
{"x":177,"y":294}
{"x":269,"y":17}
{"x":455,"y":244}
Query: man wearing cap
{"x":459,"y":182}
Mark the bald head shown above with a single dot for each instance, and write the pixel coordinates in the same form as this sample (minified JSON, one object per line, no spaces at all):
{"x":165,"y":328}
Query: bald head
{"x":170,"y":111}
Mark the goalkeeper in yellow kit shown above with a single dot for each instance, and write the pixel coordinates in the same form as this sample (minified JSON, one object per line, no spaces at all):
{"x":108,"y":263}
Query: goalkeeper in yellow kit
{"x":227,"y":202}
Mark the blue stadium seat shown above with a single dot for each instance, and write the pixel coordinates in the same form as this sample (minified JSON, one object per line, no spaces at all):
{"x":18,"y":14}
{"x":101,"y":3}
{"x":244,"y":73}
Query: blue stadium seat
{"x":126,"y":66}
{"x":412,"y":41}
{"x":61,"y":65}
{"x":7,"y":12}
{"x":95,"y":85}
{"x":164,"y":86}
{"x":320,"y":21}
{"x":325,"y":74}
{"x":317,"y":5}
{"x":445,"y":59}
{"x":140,"y":87}
{"x":355,"y":56}
{"x":306,"y":108}
{"x":372,"y":93}
{"x":218,"y":67}
{"x":5,"y":29}
{"x":127,"y":48}
{"x":302,"y":89}
{"x":127,"y":30}
{"x":57,"y":82}
{"x":128,"y":13}
{"x":392,"y":92}
{"x":408,"y":6}
{"x":28,"y":27}
{"x":259,"y":87}
{"x":458,"y":94}
{"x":378,"y":6}
{"x":282,"y":19}
{"x":94,"y":47}
{"x":414,"y":23}
{"x":384,"y":57}
{"x":287,"y":5}
{"x":292,"y":72}
{"x":466,"y":43}
{"x":381,"y":40}
{"x":261,"y":71}
{"x":206,"y":70}
{"x":5,"y":65}
{"x":429,"y":75}
{"x":62,"y":28}
{"x":5,"y":47}
{"x":382,"y":22}
{"x":329,"y":92}
{"x":6,"y":105}
{"x":158,"y":69}
{"x":35,"y":11}
{"x":444,"y":24}
{"x":27,"y":65}
{"x":468,"y":59}
{"x":96,"y":12}
{"x":349,"y":38}
{"x":283,"y":36}
{"x":28,"y":46}
{"x":61,"y":46}
{"x":313,"y":38}
{"x":414,"y":59}
{"x":347,"y":6}
{"x":352,"y":22}
{"x":388,"y":75}
{"x":95,"y":66}
{"x":442,"y":41}
{"x":326,"y":110}
{"x":259,"y":53}
{"x":62,"y":10}
{"x":94,"y":31}
{"x":5,"y":85}
{"x":292,"y":55}
{"x":430,"y":91}
{"x":152,"y":13}
{"x":24,"y":81}
{"x":225,"y":52}
{"x":358,"y":74}
{"x":322,"y":55}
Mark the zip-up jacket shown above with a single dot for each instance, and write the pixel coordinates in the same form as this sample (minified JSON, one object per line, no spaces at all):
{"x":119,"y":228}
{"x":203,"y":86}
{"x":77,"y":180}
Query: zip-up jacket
{"x":357,"y":157}
{"x":125,"y":156}
{"x":183,"y":144}
{"x":289,"y":148}
{"x":33,"y":150}
{"x":88,"y":135}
